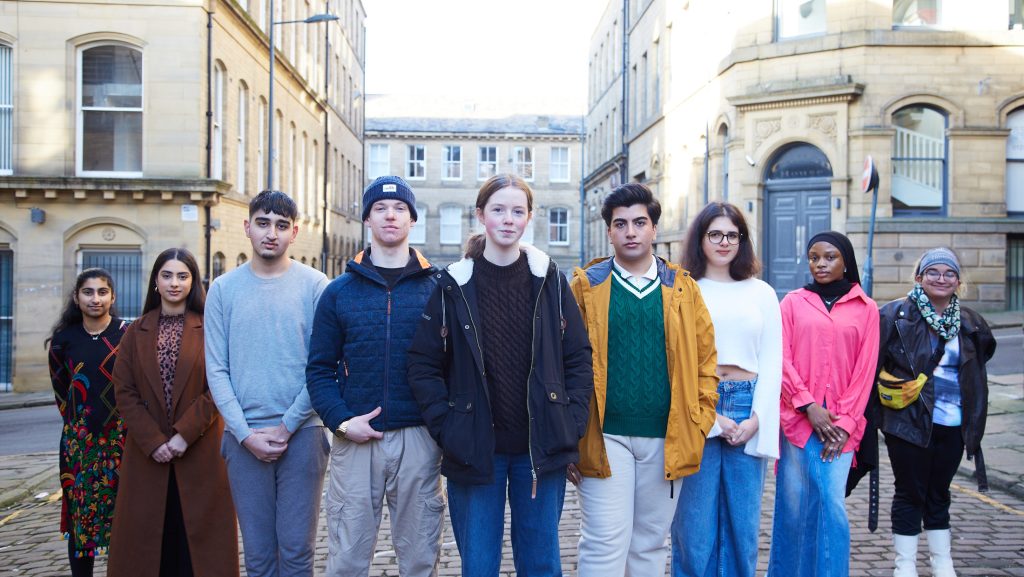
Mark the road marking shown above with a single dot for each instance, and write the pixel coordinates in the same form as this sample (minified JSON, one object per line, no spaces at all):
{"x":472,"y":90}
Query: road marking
{"x":986,"y":499}
{"x":10,"y":517}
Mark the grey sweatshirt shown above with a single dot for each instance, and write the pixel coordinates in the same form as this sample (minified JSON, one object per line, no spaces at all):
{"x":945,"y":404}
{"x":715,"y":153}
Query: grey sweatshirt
{"x":257,"y":343}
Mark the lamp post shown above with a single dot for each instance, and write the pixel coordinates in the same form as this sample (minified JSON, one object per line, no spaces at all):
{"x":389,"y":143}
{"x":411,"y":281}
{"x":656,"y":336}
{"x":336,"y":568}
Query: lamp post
{"x":270,"y":96}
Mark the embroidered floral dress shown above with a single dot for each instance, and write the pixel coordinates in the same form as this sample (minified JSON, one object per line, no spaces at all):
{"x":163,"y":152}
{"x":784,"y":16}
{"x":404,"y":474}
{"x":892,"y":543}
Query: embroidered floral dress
{"x":81,"y":369}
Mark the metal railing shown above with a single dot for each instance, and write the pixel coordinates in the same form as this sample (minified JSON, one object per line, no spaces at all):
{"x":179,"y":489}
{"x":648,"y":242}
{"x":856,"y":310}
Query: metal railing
{"x":1015,"y":272}
{"x":6,"y":319}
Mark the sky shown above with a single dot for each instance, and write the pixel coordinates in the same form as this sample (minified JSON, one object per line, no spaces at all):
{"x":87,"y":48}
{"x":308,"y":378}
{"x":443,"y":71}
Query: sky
{"x":529,"y":52}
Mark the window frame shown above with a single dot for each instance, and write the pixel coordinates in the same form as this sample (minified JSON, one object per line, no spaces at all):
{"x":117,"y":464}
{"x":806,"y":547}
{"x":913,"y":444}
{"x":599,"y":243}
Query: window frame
{"x":559,"y":226}
{"x":942,"y":209}
{"x":1015,"y":132}
{"x":218,"y":141}
{"x":937,"y":24}
{"x":448,"y":166}
{"x":553,"y":164}
{"x":7,"y":109}
{"x":518,"y":164}
{"x":783,"y":7}
{"x":80,"y":112}
{"x":481,"y":162}
{"x":242,"y":138}
{"x":374,"y":164}
{"x":412,"y":163}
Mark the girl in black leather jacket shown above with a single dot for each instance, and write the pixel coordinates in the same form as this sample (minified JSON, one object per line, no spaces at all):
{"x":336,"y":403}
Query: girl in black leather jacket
{"x":927,"y":438}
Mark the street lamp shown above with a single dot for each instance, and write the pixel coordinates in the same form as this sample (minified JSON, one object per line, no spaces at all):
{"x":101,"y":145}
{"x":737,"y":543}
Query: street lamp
{"x":270,"y":97}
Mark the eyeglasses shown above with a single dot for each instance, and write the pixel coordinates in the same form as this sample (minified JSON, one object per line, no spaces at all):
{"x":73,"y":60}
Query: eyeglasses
{"x":716,"y":236}
{"x":933,"y":275}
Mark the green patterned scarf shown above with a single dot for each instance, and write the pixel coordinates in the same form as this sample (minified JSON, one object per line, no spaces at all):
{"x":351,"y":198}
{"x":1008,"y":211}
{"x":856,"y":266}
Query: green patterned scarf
{"x":948,"y":325}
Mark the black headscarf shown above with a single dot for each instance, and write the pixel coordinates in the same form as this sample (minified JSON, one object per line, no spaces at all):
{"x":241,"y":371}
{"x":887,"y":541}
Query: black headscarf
{"x":830,"y":292}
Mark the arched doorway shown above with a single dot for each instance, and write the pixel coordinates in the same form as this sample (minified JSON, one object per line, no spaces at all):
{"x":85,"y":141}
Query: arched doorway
{"x":797,"y":188}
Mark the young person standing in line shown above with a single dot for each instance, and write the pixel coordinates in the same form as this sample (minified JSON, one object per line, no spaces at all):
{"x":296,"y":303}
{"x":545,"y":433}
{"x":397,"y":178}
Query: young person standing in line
{"x":259,"y":318}
{"x":174,"y":516}
{"x":500,"y":367}
{"x":357,"y":382}
{"x":931,"y":330}
{"x":829,"y":351}
{"x":719,"y":511}
{"x":83,"y":347}
{"x":654,"y":392}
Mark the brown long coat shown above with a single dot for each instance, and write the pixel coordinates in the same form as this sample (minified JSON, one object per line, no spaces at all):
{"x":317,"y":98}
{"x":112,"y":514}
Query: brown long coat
{"x":201,"y":473}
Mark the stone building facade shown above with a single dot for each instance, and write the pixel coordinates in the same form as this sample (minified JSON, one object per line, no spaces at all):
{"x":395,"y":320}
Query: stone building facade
{"x":126,"y":129}
{"x":446,"y":160}
{"x":775,"y":107}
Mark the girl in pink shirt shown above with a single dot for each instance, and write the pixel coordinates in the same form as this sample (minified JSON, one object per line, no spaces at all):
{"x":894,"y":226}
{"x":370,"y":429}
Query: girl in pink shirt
{"x":830,"y":348}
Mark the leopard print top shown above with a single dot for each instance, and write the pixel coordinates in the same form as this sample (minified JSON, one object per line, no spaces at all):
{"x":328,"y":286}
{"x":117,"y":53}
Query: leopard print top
{"x":168,"y":345}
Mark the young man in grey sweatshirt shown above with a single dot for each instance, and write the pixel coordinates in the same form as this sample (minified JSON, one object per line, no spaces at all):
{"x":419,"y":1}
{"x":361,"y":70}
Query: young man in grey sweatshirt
{"x":258,"y":323}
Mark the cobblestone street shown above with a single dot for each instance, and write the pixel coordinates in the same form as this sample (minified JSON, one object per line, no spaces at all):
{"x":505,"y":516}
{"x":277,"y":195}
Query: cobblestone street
{"x":988,"y":533}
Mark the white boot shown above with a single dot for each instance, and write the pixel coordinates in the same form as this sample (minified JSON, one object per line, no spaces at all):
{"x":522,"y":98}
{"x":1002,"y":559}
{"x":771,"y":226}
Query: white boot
{"x":938,"y":546}
{"x":905,"y":547}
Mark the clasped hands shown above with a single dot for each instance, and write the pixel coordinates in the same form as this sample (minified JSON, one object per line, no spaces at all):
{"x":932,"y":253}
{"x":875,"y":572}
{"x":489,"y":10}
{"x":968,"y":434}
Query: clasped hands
{"x":175,"y":447}
{"x":832,"y":436}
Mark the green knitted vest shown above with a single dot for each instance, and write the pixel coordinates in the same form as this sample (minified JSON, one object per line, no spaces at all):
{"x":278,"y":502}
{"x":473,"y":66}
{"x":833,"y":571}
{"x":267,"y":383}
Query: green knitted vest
{"x":638,"y":388}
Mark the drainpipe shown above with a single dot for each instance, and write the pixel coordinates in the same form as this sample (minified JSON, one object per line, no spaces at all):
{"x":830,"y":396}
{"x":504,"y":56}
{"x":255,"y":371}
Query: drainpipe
{"x":624,"y":171}
{"x":208,"y":227}
{"x":325,"y":250}
{"x":583,"y":191}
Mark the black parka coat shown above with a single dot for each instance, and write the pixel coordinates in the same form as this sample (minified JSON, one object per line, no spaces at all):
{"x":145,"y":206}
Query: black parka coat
{"x":447,"y":375}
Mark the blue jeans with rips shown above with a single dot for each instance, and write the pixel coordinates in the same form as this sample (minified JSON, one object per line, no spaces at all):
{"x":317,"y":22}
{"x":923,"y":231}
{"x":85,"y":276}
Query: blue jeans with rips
{"x":478,"y":519}
{"x":811,"y":533}
{"x":714,"y":532}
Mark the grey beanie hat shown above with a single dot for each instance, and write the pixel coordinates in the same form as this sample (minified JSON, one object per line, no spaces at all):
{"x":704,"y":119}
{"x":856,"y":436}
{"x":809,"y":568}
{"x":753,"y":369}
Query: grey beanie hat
{"x":389,"y":187}
{"x":940,"y":255}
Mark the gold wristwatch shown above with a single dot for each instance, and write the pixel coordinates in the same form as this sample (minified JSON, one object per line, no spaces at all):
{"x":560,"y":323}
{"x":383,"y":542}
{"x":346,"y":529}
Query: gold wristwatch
{"x":342,"y":428}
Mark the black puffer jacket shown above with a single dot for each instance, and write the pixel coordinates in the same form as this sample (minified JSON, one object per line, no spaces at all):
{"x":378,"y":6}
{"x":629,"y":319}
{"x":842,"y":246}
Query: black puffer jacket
{"x":914,"y":423}
{"x":448,"y":379}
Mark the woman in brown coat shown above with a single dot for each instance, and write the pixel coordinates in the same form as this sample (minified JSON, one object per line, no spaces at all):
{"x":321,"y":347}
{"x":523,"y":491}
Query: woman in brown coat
{"x":174,"y":515}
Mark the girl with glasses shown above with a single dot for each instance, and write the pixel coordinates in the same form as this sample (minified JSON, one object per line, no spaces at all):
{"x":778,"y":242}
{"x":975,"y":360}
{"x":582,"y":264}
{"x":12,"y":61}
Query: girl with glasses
{"x":926,"y":439}
{"x":718,"y":512}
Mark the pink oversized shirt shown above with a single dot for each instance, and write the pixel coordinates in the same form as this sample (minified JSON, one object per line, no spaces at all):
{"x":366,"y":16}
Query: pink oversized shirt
{"x":829,"y":359}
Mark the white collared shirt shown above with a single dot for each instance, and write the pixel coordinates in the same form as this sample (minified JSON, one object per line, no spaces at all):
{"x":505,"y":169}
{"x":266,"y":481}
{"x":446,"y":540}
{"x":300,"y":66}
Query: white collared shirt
{"x":642,"y":280}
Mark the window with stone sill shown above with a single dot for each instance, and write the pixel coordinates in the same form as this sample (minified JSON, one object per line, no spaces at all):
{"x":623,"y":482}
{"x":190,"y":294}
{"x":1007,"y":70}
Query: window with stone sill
{"x":415,"y":162}
{"x":110,"y":96}
{"x":487,"y":162}
{"x":522,"y":162}
{"x":1015,"y":163}
{"x":919,"y":161}
{"x":6,"y":111}
{"x":452,"y":163}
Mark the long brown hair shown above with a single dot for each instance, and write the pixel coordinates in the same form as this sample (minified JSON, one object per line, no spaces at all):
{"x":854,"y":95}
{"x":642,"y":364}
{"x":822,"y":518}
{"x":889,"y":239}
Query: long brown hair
{"x":475,"y":244}
{"x":744,"y":266}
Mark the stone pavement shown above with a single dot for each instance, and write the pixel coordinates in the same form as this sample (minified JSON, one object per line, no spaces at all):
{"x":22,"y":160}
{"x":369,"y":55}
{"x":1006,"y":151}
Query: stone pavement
{"x":988,"y":532}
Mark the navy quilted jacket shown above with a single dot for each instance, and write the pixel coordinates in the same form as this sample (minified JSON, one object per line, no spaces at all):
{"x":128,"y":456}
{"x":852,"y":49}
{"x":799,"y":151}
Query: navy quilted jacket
{"x":357,"y":354}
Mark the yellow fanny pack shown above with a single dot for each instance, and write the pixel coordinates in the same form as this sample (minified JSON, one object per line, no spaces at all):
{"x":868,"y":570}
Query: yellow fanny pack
{"x":896,"y":393}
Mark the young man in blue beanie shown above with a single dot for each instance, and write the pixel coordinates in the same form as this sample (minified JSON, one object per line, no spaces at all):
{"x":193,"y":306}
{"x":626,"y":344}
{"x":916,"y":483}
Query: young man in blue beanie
{"x":357,"y":382}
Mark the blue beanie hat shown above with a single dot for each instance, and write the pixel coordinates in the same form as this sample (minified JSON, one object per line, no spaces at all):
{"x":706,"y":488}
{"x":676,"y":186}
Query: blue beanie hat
{"x":940,"y":255}
{"x":389,"y":187}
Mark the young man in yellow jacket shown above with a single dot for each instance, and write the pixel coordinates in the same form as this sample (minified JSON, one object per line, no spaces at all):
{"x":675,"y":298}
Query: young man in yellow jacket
{"x":654,"y":392}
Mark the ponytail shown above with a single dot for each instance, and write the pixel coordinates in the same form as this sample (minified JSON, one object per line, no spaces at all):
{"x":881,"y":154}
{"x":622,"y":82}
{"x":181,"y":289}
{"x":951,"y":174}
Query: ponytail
{"x":475,"y":246}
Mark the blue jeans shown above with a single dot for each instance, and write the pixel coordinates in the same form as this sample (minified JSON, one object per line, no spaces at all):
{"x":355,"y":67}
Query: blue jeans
{"x":714,"y":532}
{"x":478,"y":519}
{"x":811,"y":534}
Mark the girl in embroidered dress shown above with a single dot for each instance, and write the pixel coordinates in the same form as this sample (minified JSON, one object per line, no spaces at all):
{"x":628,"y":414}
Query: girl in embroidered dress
{"x":82,"y":349}
{"x":175,"y":514}
{"x":719,"y":509}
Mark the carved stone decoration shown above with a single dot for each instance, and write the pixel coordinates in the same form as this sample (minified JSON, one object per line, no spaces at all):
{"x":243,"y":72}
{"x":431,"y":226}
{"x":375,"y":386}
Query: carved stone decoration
{"x":824,"y":123}
{"x":792,"y":122}
{"x":765,"y":128}
{"x":109,"y":234}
